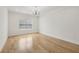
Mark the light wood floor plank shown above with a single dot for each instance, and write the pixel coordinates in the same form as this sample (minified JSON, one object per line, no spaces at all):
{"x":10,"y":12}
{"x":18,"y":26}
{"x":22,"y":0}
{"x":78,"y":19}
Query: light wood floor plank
{"x":38,"y":43}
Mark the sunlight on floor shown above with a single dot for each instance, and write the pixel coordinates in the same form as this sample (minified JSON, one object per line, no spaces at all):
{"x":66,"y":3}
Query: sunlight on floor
{"x":25,"y":43}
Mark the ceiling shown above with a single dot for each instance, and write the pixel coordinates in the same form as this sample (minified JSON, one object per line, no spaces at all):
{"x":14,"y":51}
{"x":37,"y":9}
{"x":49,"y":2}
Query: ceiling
{"x":30,"y":9}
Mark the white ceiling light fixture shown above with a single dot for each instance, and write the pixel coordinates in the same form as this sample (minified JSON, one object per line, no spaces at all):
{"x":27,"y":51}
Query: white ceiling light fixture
{"x":36,"y":11}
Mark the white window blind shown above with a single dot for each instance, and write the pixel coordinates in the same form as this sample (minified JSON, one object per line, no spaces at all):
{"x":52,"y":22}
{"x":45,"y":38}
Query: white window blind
{"x":25,"y":24}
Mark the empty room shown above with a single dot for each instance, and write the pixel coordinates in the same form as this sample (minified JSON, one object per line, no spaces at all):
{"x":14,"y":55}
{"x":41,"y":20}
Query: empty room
{"x":39,"y":29}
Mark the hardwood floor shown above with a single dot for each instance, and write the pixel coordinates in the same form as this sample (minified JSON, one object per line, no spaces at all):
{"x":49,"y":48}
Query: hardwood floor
{"x":38,"y":43}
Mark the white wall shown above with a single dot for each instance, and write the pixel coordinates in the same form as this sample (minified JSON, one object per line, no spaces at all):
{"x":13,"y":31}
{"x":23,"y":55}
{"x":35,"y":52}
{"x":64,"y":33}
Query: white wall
{"x":62,"y":23}
{"x":3,"y":26}
{"x":14,"y":18}
{"x":35,"y":23}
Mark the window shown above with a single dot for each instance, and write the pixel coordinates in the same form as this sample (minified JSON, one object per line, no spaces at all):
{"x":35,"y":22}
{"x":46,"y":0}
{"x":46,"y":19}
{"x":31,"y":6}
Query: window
{"x":25,"y":24}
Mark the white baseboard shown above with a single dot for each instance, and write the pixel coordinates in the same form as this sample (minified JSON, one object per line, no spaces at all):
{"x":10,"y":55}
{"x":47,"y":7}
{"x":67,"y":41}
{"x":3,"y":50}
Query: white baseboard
{"x":60,"y":38}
